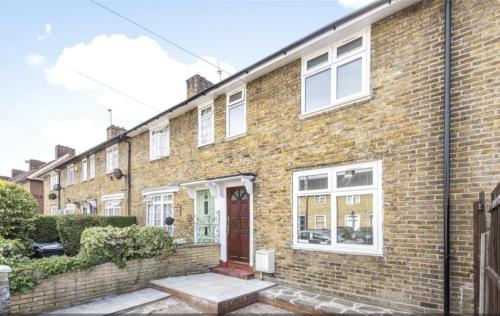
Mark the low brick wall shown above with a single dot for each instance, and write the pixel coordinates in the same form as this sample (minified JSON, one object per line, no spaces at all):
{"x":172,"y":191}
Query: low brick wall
{"x":79,"y":287}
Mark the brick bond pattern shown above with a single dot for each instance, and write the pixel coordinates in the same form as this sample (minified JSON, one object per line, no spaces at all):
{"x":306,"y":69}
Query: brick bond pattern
{"x":401,"y":124}
{"x":106,"y":279}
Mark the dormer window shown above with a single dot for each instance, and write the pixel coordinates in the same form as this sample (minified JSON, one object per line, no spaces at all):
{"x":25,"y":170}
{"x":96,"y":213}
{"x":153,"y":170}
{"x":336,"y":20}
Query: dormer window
{"x":336,"y":75}
{"x":159,"y":142}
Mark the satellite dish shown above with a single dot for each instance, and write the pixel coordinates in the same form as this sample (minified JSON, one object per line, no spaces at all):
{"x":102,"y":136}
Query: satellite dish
{"x":169,"y":221}
{"x":52,"y":196}
{"x":118,"y":173}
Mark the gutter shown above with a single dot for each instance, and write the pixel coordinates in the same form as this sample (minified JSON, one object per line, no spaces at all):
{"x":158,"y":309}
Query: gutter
{"x":446,"y":184}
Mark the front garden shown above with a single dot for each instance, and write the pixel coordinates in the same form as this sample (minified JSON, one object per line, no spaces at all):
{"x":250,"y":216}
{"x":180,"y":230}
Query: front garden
{"x":88,"y":240}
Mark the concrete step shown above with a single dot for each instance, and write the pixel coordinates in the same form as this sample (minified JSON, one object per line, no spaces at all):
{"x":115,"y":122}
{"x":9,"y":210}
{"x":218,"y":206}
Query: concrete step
{"x":237,"y":273}
{"x":213,"y":293}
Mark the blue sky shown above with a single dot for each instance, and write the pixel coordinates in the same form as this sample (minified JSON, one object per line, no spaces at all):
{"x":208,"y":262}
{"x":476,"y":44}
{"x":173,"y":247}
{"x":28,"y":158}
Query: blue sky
{"x":44,"y":102}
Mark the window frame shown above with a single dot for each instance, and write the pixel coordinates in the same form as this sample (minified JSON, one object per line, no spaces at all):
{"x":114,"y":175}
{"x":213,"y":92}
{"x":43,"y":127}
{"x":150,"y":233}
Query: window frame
{"x":153,"y":155}
{"x":376,"y":249}
{"x":200,"y":109}
{"x":84,"y":173}
{"x":54,"y":180}
{"x":68,"y":182}
{"x":149,"y":201}
{"x":91,"y":167}
{"x":54,"y":210}
{"x":67,"y":209}
{"x":108,"y":151}
{"x":333,"y":63}
{"x":115,"y":202}
{"x":229,"y":105}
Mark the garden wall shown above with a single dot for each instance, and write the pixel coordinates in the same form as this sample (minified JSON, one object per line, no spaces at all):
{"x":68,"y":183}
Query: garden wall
{"x":107,"y":279}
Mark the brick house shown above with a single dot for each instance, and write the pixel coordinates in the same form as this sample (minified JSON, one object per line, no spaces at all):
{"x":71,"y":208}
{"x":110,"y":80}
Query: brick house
{"x":329,"y":151}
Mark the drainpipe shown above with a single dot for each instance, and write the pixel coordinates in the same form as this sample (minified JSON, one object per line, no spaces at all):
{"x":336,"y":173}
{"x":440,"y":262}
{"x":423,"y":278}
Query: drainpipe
{"x":129,"y":173}
{"x":446,"y":184}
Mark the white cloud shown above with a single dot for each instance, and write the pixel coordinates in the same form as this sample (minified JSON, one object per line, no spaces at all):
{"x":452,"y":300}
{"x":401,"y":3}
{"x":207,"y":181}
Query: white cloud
{"x":78,"y":133}
{"x":48,"y":31}
{"x":35,"y":59}
{"x":354,"y":4}
{"x":138,"y":67}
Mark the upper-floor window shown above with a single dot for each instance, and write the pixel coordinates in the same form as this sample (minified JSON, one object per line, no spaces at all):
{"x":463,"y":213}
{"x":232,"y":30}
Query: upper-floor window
{"x":70,"y":174}
{"x":92,"y":167}
{"x":206,"y":124}
{"x":236,"y":113}
{"x":54,"y":180}
{"x":159,"y":142}
{"x":336,"y":75}
{"x":350,"y":220}
{"x":111,"y":158}
{"x":84,"y":169}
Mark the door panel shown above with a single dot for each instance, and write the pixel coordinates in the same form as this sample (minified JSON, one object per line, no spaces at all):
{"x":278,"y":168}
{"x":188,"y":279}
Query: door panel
{"x":206,"y":221}
{"x":238,"y":224}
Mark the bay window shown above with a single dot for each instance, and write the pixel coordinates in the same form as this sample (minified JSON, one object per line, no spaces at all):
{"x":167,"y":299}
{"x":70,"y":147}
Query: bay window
{"x":206,"y":125}
{"x":159,"y":142}
{"x":337,"y":74}
{"x":339,"y":209}
{"x":236,"y":113}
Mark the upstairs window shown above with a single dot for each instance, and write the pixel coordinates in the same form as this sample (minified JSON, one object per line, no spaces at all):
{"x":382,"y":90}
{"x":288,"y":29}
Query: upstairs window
{"x":92,"y":167}
{"x":70,"y":174}
{"x":54,"y":180}
{"x":206,"y":125}
{"x":159,"y":142}
{"x":236,"y":113}
{"x":336,"y":75}
{"x":84,"y":169}
{"x":112,"y":159}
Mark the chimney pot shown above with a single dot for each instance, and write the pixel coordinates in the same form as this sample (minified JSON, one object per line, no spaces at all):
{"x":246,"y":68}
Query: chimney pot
{"x":196,"y":84}
{"x":61,"y":150}
{"x":34,"y":164}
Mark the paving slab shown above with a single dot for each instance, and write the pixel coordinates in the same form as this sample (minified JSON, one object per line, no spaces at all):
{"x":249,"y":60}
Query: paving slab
{"x":115,"y":304}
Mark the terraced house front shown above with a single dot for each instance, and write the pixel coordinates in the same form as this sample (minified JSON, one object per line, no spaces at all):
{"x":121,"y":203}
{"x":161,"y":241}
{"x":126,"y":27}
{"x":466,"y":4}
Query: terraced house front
{"x":329,"y":152}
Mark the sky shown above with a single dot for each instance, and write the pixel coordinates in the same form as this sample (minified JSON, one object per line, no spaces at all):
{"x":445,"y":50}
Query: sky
{"x":63,"y":63}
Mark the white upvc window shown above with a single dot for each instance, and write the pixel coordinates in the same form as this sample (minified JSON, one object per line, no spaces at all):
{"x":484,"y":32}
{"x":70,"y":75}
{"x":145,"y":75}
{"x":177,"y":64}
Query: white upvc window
{"x":70,"y":174}
{"x":89,"y":207}
{"x":339,"y":225}
{"x":84,"y":169}
{"x":206,"y":124}
{"x":54,"y":180}
{"x":112,"y":158}
{"x":159,"y":207}
{"x":113,"y":207}
{"x":54,"y":210}
{"x":70,"y":209}
{"x":92,"y":167}
{"x":336,"y":75}
{"x":159,"y":142}
{"x":236,"y":121}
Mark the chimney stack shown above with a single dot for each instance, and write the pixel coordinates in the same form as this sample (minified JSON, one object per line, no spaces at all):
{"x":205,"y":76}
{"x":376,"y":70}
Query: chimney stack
{"x":113,"y":131}
{"x":34,"y":164}
{"x":61,"y":150}
{"x":16,"y":172}
{"x":196,"y":84}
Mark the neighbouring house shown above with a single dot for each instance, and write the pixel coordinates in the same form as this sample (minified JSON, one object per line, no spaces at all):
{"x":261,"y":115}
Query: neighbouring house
{"x":329,"y":151}
{"x":31,"y":179}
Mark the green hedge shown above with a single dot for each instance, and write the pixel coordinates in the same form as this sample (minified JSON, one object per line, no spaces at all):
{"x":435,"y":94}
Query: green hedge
{"x":11,"y":248}
{"x":45,"y":229}
{"x":70,"y":228}
{"x":121,"y":244}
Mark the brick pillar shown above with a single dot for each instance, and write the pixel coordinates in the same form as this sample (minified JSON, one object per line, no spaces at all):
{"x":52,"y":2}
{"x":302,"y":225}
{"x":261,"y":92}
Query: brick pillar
{"x":4,"y":289}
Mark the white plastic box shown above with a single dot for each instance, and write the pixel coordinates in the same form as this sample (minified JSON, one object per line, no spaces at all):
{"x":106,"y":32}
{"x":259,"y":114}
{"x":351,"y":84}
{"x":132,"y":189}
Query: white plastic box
{"x":264,"y":261}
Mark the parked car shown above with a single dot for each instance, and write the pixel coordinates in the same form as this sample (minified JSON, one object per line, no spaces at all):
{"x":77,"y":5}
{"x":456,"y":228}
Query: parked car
{"x":48,"y":249}
{"x":364,"y":235}
{"x":344,"y":232}
{"x":315,"y":236}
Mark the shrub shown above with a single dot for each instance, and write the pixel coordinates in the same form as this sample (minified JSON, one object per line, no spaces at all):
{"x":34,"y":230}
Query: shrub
{"x":45,"y":229}
{"x":11,"y":248}
{"x":121,"y":244}
{"x":70,"y":228}
{"x":17,"y":212}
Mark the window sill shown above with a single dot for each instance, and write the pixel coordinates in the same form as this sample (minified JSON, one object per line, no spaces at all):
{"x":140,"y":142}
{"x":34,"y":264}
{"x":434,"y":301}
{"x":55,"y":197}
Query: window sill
{"x":333,"y":107}
{"x":203,"y":146}
{"x":158,"y":158}
{"x":228,"y":139}
{"x":374,"y":253}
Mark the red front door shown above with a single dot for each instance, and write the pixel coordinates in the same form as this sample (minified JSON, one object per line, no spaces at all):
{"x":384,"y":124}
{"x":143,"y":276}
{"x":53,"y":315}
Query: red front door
{"x":238,"y":221}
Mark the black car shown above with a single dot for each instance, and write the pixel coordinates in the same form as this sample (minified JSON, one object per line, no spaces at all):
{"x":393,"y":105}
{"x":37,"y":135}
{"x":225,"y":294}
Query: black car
{"x":364,"y":235}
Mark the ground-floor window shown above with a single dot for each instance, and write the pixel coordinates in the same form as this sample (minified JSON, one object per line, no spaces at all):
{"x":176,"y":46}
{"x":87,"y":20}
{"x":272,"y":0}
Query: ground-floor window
{"x":70,"y":209}
{"x":89,"y":207}
{"x":113,"y":208}
{"x":339,"y":208}
{"x":54,"y":210}
{"x":159,"y":207}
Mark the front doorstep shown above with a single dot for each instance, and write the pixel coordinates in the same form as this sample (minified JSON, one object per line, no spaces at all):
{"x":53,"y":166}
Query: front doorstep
{"x":213,"y":293}
{"x":235,"y":269}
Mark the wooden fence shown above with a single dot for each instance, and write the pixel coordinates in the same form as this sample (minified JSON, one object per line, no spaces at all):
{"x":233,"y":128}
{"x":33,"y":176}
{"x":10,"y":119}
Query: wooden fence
{"x":487,"y":254}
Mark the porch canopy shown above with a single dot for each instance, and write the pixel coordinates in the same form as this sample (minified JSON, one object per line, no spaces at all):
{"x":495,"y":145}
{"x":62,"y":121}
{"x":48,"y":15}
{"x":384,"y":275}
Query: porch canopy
{"x":217,"y":185}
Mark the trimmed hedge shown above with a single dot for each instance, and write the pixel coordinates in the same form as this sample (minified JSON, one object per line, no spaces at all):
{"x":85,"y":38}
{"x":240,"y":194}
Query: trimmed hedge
{"x":45,"y":229}
{"x":70,"y":228}
{"x":11,"y":248}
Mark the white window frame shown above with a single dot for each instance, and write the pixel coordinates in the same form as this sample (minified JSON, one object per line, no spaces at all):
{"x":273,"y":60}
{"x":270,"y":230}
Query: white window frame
{"x":91,"y":167}
{"x":113,"y":207}
{"x":85,"y":203}
{"x":232,"y":104}
{"x":333,"y":63}
{"x":375,"y":189}
{"x":168,"y":200}
{"x":320,"y":200}
{"x":153,"y":153}
{"x":353,"y":199}
{"x":85,"y":174}
{"x":110,"y":151}
{"x":70,"y":180}
{"x":54,"y":180}
{"x":54,"y":210}
{"x":70,"y":208}
{"x":316,"y":221}
{"x":200,"y":109}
